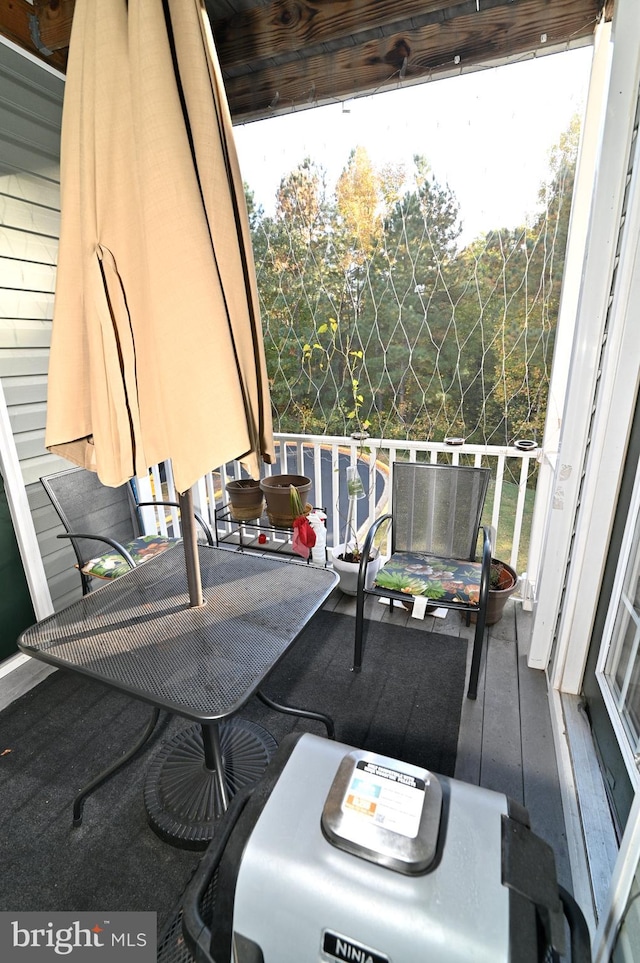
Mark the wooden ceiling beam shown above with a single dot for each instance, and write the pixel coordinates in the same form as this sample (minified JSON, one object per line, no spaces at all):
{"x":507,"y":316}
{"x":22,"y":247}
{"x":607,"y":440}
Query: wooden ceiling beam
{"x":256,"y":34}
{"x":412,"y":56}
{"x":295,"y":53}
{"x":55,"y":18}
{"x":284,"y":26}
{"x":291,"y":25}
{"x":19,"y":22}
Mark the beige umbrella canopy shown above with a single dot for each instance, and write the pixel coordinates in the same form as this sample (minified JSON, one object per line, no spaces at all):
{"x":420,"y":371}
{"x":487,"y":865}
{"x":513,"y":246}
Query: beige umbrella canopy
{"x":157,"y":348}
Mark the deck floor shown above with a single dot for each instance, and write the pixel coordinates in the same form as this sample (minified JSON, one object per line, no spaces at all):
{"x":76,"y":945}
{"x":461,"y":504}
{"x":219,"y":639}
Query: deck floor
{"x":506,"y":741}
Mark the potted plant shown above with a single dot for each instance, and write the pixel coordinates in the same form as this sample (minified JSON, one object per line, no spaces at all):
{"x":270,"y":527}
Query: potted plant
{"x":346,"y":557}
{"x":304,"y":536}
{"x":504,"y":581}
{"x":276,"y":489}
{"x":245,"y":498}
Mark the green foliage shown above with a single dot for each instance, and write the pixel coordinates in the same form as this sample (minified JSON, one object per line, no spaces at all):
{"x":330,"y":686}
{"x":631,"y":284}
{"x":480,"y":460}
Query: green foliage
{"x":397,"y":582}
{"x":375,"y":319}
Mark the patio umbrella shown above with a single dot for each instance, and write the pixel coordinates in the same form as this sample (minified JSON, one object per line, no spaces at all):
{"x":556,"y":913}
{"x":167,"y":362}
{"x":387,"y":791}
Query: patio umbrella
{"x":156,"y":347}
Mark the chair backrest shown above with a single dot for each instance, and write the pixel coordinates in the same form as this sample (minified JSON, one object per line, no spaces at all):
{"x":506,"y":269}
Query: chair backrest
{"x":84,"y":504}
{"x":437,"y":508}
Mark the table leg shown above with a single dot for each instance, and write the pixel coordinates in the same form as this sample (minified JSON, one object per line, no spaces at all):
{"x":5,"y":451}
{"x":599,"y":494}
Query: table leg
{"x":78,"y":802}
{"x":327,"y":721}
{"x":214,"y":763}
{"x":192,"y":777}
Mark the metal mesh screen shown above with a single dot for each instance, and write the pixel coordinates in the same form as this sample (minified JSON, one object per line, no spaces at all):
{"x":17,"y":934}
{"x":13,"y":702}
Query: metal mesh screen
{"x":376,"y":317}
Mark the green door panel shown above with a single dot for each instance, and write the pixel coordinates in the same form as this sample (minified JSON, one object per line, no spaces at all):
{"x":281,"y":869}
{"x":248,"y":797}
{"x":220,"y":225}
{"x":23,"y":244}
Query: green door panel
{"x":16,"y":610}
{"x":618,"y":785}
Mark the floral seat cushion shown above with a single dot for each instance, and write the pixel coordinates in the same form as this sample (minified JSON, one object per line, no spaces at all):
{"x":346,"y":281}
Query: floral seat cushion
{"x":112,"y":564}
{"x":440,"y":579}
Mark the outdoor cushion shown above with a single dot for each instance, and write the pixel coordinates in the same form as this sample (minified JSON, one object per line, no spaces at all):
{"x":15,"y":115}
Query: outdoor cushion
{"x":443,"y":579}
{"x":112,"y":564}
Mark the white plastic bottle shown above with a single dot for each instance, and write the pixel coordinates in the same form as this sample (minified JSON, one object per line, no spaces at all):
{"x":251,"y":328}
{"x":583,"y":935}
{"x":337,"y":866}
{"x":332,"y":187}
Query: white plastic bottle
{"x":317,"y":521}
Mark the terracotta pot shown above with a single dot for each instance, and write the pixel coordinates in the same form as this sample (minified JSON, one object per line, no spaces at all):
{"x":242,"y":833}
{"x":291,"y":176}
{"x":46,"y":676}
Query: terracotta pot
{"x":348,"y":571}
{"x":245,"y":496}
{"x":276,"y":493}
{"x":508,"y":582}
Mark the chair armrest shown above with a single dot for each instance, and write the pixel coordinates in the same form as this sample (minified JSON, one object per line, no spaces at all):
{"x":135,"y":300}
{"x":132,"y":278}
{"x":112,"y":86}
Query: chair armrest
{"x":203,"y":524}
{"x":487,"y":554}
{"x":366,"y":548}
{"x":106,"y":541}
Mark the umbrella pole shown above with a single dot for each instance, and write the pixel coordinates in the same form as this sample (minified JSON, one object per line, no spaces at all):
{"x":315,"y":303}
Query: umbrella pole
{"x":190,"y":542}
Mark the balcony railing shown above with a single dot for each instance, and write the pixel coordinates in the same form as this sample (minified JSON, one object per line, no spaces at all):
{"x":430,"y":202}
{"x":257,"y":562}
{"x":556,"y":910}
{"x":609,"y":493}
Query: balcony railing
{"x":324,"y":459}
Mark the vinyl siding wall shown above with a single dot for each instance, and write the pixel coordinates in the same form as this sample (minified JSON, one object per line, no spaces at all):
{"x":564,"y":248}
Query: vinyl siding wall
{"x":30,"y":119}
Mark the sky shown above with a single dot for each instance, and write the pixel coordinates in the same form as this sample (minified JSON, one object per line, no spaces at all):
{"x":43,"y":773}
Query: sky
{"x":487,"y":135}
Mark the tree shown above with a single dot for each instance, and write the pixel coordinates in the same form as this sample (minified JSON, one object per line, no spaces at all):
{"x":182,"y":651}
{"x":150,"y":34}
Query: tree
{"x":532,"y":266}
{"x":374,"y":318}
{"x":413,"y":372}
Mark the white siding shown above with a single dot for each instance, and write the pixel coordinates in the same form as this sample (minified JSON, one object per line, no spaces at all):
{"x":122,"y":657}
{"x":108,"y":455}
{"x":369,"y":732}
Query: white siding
{"x":30,"y":121}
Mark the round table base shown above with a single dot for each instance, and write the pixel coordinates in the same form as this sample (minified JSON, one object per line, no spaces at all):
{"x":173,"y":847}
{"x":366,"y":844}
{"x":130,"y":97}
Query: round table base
{"x":181,"y":795}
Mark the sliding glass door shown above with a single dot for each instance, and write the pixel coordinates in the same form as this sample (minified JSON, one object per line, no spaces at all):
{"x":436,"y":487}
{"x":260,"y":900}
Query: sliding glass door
{"x":612,"y":678}
{"x":621,"y":670}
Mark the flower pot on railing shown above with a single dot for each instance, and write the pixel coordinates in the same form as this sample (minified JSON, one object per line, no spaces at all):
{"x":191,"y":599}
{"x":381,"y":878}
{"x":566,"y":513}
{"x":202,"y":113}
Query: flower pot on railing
{"x":245,"y":498}
{"x":277,"y":497}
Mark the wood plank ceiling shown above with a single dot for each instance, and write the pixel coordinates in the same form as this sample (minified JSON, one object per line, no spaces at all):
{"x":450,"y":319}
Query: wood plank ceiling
{"x":287,"y":55}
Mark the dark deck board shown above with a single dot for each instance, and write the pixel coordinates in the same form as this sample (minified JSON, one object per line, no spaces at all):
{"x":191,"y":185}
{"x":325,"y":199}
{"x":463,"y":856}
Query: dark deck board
{"x":506,"y":741}
{"x":501,"y":767}
{"x":542,"y":795}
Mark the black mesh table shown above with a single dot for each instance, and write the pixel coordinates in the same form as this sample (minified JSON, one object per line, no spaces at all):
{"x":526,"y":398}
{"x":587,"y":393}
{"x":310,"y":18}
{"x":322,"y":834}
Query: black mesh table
{"x":139,"y":635}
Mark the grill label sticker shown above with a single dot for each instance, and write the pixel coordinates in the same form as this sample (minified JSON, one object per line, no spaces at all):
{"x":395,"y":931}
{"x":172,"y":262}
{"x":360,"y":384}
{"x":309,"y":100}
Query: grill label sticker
{"x":391,"y":799}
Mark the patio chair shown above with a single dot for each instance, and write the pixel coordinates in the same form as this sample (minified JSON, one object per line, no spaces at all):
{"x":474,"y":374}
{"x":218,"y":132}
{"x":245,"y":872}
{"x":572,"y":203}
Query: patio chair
{"x":435,"y":522}
{"x":96,"y":516}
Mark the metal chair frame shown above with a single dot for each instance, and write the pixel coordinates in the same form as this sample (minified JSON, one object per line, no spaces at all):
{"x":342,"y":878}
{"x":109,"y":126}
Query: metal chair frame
{"x":115,"y":510}
{"x":440,"y":536}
